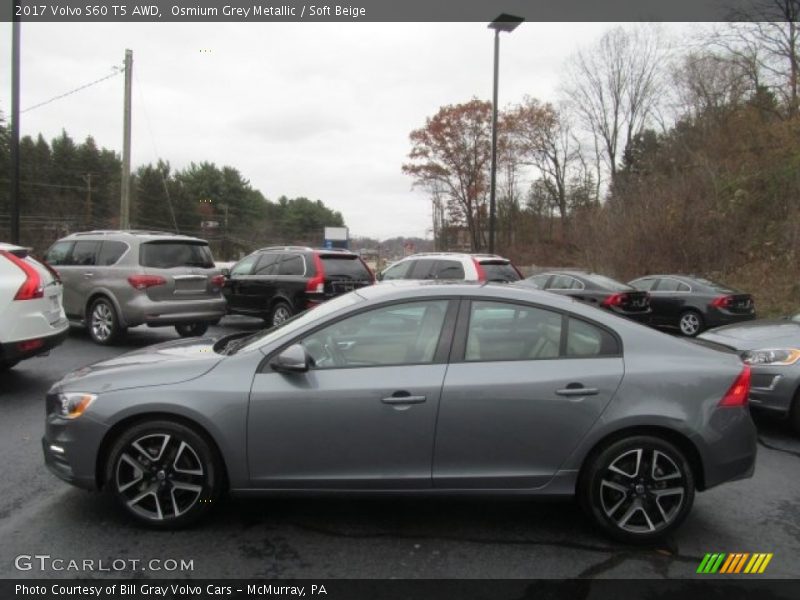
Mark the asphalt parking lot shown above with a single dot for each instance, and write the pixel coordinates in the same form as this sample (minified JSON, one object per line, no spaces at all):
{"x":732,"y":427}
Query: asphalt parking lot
{"x":372,"y":538}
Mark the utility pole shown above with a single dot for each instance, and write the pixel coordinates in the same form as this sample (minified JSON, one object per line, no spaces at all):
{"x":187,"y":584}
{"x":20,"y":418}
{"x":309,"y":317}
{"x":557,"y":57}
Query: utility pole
{"x":15,"y":131}
{"x":125,"y":199}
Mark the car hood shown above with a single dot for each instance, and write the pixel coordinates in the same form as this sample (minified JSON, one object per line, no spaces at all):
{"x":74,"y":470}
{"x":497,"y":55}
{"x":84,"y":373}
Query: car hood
{"x":752,"y":335}
{"x":170,"y":362}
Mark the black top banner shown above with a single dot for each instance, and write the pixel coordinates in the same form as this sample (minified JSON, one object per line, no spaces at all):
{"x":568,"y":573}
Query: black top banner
{"x":243,"y":11}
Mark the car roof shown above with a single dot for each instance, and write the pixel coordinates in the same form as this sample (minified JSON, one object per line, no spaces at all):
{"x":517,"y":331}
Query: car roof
{"x":328,"y":251}
{"x":122,"y":234}
{"x":453,"y":255}
{"x":7,"y":246}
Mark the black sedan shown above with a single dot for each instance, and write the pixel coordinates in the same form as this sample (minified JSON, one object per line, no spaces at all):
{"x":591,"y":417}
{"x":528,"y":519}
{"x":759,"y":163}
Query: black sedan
{"x":694,"y":304}
{"x":595,"y":289}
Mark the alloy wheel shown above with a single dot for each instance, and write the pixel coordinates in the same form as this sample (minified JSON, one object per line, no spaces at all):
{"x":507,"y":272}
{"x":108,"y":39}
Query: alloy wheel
{"x":102,"y":321}
{"x":280,"y":314}
{"x":642,"y":491}
{"x":690,"y":324}
{"x":160,"y":476}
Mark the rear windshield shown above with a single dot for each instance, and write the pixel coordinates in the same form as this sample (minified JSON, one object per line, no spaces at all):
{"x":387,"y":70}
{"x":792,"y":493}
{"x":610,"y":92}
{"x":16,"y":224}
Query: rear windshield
{"x":608,"y":283}
{"x":344,"y":267}
{"x":169,"y":254}
{"x":500,"y":271}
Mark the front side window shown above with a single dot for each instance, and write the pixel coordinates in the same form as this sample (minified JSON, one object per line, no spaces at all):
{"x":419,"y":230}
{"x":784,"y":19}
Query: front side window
{"x":59,"y":253}
{"x":398,"y":271}
{"x":267,"y":264}
{"x":400,"y":334}
{"x":244,"y":266}
{"x":502,"y":331}
{"x":423,"y":269}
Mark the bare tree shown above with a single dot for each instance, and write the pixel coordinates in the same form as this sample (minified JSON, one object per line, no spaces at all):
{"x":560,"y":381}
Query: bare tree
{"x":613,"y":87}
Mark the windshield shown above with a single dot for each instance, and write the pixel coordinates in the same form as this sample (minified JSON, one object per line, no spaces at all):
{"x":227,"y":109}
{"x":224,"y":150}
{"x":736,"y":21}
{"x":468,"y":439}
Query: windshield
{"x":267,"y":336}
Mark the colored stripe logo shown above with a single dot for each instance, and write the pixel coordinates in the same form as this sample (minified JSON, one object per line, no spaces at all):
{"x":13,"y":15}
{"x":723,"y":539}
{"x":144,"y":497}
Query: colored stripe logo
{"x":737,"y":562}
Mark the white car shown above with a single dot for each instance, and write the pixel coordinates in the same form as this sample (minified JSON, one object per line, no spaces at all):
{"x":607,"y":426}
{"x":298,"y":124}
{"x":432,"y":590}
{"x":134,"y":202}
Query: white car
{"x":458,"y":266}
{"x":32,"y":319}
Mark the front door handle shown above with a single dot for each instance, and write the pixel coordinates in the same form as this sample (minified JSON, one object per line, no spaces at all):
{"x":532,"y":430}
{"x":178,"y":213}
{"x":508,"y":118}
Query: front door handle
{"x":88,"y":275}
{"x":403,"y":398}
{"x":578,"y":391}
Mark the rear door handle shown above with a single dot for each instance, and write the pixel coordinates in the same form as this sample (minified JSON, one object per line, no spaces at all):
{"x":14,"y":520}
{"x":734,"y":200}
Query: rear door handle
{"x":406,"y":398}
{"x":578,"y":391}
{"x":88,"y":275}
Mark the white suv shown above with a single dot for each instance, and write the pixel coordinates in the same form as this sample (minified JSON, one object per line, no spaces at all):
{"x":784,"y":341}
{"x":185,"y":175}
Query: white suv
{"x":452,"y":265}
{"x":32,"y":319}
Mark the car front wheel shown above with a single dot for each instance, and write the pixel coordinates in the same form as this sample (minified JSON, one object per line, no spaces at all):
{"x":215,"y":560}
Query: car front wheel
{"x":638,"y":489}
{"x":164,"y":474}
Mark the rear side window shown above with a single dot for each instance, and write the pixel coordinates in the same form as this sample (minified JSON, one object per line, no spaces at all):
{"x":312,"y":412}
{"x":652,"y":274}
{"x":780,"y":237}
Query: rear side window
{"x":643,"y":285}
{"x":608,"y":283}
{"x":565,"y":282}
{"x":449,"y":269}
{"x":291,"y":264}
{"x":170,"y":254}
{"x":585,"y":340}
{"x":499,"y":331}
{"x":538,"y":281}
{"x":344,"y":267}
{"x":267,"y":264}
{"x":500,"y":271}
{"x":667,"y":285}
{"x":85,"y":254}
{"x":59,"y":253}
{"x":110,"y":253}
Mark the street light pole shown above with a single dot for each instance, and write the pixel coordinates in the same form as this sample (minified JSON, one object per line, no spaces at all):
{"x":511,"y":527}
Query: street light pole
{"x":507,"y":23}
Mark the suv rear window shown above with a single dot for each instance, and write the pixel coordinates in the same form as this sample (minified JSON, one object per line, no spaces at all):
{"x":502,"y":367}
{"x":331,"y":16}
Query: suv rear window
{"x":169,"y":254}
{"x":347,"y":267}
{"x":500,"y":271}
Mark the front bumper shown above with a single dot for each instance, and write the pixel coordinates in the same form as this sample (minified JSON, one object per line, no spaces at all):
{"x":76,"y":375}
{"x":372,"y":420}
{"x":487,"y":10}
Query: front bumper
{"x":774,"y":388}
{"x":70,"y":448}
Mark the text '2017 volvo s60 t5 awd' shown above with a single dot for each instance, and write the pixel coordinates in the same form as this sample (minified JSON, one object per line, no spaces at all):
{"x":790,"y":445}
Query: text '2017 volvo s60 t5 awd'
{"x":414,"y":389}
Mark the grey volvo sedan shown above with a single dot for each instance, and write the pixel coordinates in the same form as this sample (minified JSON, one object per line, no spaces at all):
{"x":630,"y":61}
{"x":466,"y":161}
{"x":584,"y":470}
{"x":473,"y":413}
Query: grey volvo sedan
{"x":414,"y":389}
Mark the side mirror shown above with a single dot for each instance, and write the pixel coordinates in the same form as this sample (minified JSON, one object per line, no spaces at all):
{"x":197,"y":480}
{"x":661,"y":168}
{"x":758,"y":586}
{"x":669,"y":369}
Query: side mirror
{"x":293,"y":359}
{"x":378,"y":276}
{"x":226,"y":272}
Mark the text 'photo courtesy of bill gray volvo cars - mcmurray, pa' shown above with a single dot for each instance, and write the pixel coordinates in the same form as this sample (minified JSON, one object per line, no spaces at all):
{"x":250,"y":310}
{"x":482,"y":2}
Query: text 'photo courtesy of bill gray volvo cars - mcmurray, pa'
{"x":414,"y":388}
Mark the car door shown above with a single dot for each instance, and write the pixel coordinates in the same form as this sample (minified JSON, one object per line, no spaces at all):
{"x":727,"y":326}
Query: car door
{"x":258,"y":288}
{"x":667,"y":299}
{"x":240,"y":272}
{"x":526,"y":385}
{"x":364,"y":415}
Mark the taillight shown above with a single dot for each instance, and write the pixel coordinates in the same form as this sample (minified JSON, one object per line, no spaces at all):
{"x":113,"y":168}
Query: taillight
{"x":316,"y":285}
{"x":614,"y":300}
{"x":722,"y":301}
{"x":218,"y":281}
{"x":32,"y":287}
{"x":142,"y":282}
{"x":739,"y":391}
{"x":479,"y":270}
{"x":371,"y":273}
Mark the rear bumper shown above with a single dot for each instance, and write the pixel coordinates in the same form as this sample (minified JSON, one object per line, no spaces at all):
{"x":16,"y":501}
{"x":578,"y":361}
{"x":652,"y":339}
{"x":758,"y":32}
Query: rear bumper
{"x":716,"y":317}
{"x":640,"y":317}
{"x":22,"y":349}
{"x":140,"y":310}
{"x":728,"y":448}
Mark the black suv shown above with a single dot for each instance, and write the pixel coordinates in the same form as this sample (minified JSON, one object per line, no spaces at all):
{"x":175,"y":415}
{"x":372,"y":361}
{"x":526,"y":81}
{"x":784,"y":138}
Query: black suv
{"x":276,"y":283}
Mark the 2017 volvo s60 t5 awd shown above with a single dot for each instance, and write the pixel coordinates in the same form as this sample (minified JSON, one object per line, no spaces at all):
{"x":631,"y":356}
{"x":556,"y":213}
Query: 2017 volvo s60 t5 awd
{"x":414,"y":389}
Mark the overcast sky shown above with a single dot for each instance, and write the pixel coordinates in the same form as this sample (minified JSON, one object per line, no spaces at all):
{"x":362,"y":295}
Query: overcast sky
{"x":301,"y":109}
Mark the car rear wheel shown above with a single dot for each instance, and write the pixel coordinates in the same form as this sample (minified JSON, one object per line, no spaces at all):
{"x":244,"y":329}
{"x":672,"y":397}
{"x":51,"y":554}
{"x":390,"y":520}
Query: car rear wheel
{"x":638,"y":489}
{"x":191,"y":329}
{"x":164,"y":474}
{"x":104,"y":327}
{"x":280,"y":312}
{"x":691,"y":323}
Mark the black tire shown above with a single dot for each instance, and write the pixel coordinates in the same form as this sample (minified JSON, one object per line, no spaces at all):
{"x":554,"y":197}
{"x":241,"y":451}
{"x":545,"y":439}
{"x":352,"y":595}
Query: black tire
{"x":191,"y":329}
{"x":102,"y":322}
{"x":643,"y":508}
{"x":691,"y":323}
{"x":7,"y":365}
{"x":279,"y":313}
{"x":163,"y":487}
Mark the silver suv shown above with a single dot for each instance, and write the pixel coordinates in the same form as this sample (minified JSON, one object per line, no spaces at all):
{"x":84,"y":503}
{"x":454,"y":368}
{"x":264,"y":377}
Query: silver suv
{"x":119,"y":279}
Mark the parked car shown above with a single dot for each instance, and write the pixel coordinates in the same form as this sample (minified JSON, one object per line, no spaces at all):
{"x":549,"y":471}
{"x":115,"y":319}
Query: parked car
{"x":32,"y":319}
{"x":597,"y":290}
{"x":413,"y":388}
{"x":119,"y":279}
{"x":693,"y":304}
{"x":772,"y":349}
{"x":276,"y":283}
{"x":452,"y":266}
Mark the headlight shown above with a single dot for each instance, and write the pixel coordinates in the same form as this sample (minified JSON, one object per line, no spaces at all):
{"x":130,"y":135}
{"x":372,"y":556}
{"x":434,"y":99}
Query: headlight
{"x":74,"y":404}
{"x":774,"y":356}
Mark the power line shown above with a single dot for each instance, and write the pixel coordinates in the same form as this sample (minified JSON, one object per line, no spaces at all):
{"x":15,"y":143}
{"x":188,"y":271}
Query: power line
{"x":117,"y":71}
